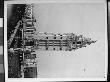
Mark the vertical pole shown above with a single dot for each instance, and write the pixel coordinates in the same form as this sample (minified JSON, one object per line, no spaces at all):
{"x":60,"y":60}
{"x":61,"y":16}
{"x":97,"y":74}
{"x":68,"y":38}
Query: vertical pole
{"x":22,"y":66}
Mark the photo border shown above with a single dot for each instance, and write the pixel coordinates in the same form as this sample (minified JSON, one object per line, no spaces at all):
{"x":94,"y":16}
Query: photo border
{"x":51,"y":79}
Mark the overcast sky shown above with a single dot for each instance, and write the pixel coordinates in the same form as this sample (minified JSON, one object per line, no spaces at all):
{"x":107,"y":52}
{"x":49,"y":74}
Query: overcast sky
{"x":88,"y":19}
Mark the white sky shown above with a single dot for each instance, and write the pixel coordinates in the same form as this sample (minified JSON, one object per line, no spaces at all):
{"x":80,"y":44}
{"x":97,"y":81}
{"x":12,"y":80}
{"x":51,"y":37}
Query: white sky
{"x":79,"y":18}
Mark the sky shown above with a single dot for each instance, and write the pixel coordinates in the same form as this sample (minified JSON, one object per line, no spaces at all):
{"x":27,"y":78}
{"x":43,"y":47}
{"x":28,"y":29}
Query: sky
{"x":88,"y":19}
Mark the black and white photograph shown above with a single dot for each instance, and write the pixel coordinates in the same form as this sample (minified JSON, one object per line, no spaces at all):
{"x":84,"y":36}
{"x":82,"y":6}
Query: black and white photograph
{"x":55,"y":40}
